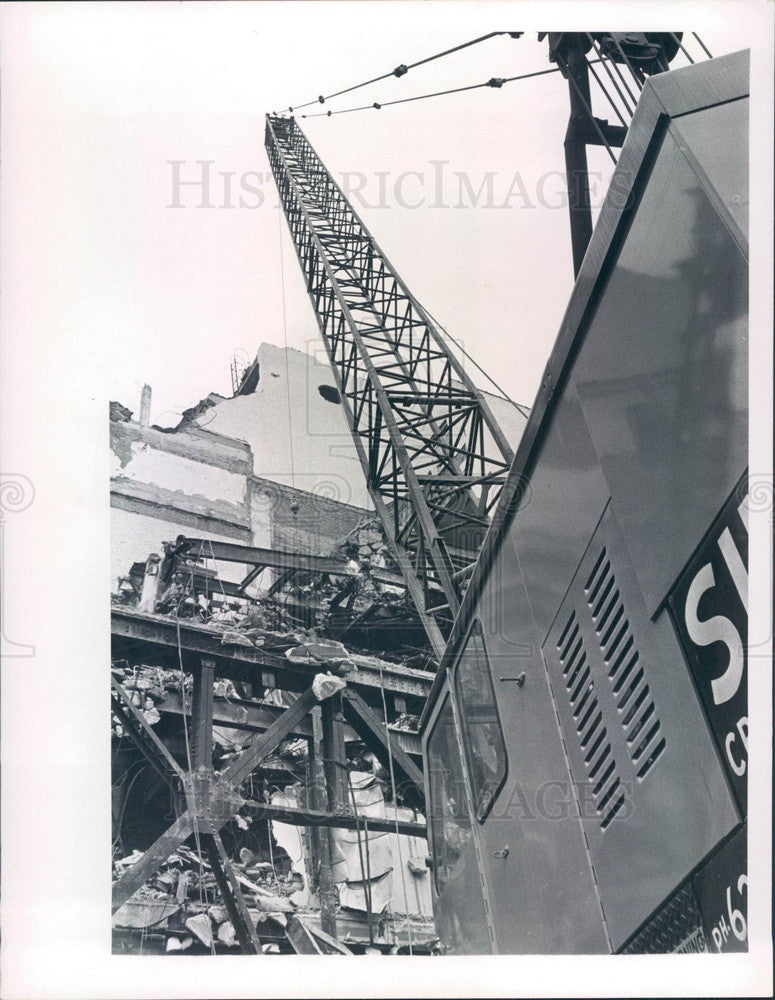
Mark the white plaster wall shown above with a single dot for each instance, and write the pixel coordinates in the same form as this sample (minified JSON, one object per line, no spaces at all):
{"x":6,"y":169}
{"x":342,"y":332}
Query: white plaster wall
{"x":133,"y":537}
{"x":174,"y":472}
{"x":297,"y":437}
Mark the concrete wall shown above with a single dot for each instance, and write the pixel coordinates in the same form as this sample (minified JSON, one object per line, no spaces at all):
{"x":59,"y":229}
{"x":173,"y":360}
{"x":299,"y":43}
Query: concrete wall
{"x":163,"y":485}
{"x":198,"y":482}
{"x":276,"y":467}
{"x":297,"y":437}
{"x":305,"y":522}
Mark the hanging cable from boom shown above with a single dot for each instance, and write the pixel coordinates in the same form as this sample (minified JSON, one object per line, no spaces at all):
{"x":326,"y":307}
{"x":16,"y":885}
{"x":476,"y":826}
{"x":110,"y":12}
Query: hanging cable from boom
{"x":402,"y":69}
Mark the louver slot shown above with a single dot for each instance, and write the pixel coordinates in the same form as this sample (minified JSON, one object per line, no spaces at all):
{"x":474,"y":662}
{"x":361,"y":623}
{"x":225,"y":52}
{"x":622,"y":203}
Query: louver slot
{"x":626,"y":672}
{"x":580,"y":688}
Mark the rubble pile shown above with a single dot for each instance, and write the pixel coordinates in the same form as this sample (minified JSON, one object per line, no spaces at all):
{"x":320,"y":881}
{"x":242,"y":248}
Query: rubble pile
{"x":180,"y":908}
{"x":181,"y":904}
{"x":187,"y":587}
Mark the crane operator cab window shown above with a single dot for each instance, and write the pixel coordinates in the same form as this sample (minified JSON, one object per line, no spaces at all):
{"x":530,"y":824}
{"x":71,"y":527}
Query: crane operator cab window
{"x":449,"y":819}
{"x":482,"y":734}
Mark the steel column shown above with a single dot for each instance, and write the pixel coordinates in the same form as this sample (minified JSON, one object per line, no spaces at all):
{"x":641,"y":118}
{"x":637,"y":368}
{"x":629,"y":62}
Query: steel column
{"x":318,"y":794}
{"x":576,"y":167}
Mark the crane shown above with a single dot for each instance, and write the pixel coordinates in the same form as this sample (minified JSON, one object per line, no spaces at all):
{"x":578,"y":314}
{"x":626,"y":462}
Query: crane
{"x":434,"y":457}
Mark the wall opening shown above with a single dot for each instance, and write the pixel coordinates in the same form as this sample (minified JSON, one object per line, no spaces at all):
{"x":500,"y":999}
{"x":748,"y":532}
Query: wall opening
{"x":330,"y":393}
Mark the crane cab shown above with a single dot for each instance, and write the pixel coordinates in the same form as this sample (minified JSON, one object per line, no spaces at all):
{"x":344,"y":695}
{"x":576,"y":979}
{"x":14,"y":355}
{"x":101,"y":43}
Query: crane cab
{"x":585,"y":742}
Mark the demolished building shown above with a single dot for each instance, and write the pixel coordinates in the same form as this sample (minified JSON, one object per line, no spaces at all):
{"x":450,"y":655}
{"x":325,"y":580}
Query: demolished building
{"x":268,"y":672}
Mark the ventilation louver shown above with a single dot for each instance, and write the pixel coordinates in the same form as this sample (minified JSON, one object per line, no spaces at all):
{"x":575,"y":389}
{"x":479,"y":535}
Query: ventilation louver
{"x":626,"y":672}
{"x":606,"y":683}
{"x":602,"y":771}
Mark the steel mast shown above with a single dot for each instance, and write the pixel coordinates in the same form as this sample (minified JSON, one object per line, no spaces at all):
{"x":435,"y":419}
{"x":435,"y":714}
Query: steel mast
{"x":434,"y":457}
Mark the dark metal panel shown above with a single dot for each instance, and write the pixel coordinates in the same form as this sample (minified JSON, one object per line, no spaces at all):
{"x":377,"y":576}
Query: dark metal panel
{"x":561,"y":509}
{"x":540,"y":881}
{"x":654,"y":800}
{"x":662,"y":374}
{"x":686,"y":808}
{"x":709,"y":912}
{"x":721,"y":888}
{"x":676,"y":930}
{"x":725,"y":176}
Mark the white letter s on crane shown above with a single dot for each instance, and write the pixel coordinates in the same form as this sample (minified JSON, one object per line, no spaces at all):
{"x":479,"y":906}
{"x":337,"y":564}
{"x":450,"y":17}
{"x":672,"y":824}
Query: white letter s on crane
{"x":716,"y":629}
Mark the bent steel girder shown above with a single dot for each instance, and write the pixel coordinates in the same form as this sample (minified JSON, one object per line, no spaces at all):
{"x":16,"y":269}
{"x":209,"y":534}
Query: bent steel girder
{"x":434,"y":457}
{"x":213,"y":799}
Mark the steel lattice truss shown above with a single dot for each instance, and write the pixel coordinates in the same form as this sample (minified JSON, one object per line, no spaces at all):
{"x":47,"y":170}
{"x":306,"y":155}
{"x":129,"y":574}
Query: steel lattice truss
{"x":434,"y":457}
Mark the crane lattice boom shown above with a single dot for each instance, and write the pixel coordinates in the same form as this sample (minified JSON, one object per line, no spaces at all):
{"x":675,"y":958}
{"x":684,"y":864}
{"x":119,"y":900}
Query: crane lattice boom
{"x":434,"y":457}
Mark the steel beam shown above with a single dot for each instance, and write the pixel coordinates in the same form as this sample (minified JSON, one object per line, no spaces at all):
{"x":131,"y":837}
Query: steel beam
{"x":253,"y":717}
{"x":158,"y":638}
{"x":231,"y":894}
{"x":217,"y":797}
{"x":250,"y":555}
{"x":202,"y":716}
{"x":325,"y":818}
{"x":372,"y":730}
{"x":149,"y":744}
{"x":260,"y":558}
{"x":576,"y":167}
{"x":317,"y":793}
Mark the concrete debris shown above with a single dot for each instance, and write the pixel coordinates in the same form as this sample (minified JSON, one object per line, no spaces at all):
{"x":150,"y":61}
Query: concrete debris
{"x":224,"y":688}
{"x":119,"y":413}
{"x":311,"y":652}
{"x":146,"y":908}
{"x":178,"y":943}
{"x":200,"y":926}
{"x":406,"y":723}
{"x":276,"y":865}
{"x":183,"y":899}
{"x":218,"y":914}
{"x":231,"y":637}
{"x":326,"y":685}
{"x":227,"y":935}
{"x":151,"y":714}
{"x":417,"y":867}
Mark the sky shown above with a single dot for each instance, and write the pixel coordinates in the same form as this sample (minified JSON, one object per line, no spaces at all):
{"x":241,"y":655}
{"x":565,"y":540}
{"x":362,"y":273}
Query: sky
{"x":155,"y":289}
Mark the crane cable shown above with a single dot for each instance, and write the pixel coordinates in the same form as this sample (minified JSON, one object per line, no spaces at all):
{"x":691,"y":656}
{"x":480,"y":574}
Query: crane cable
{"x":495,"y":81}
{"x":402,"y":70}
{"x":524,"y":410}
